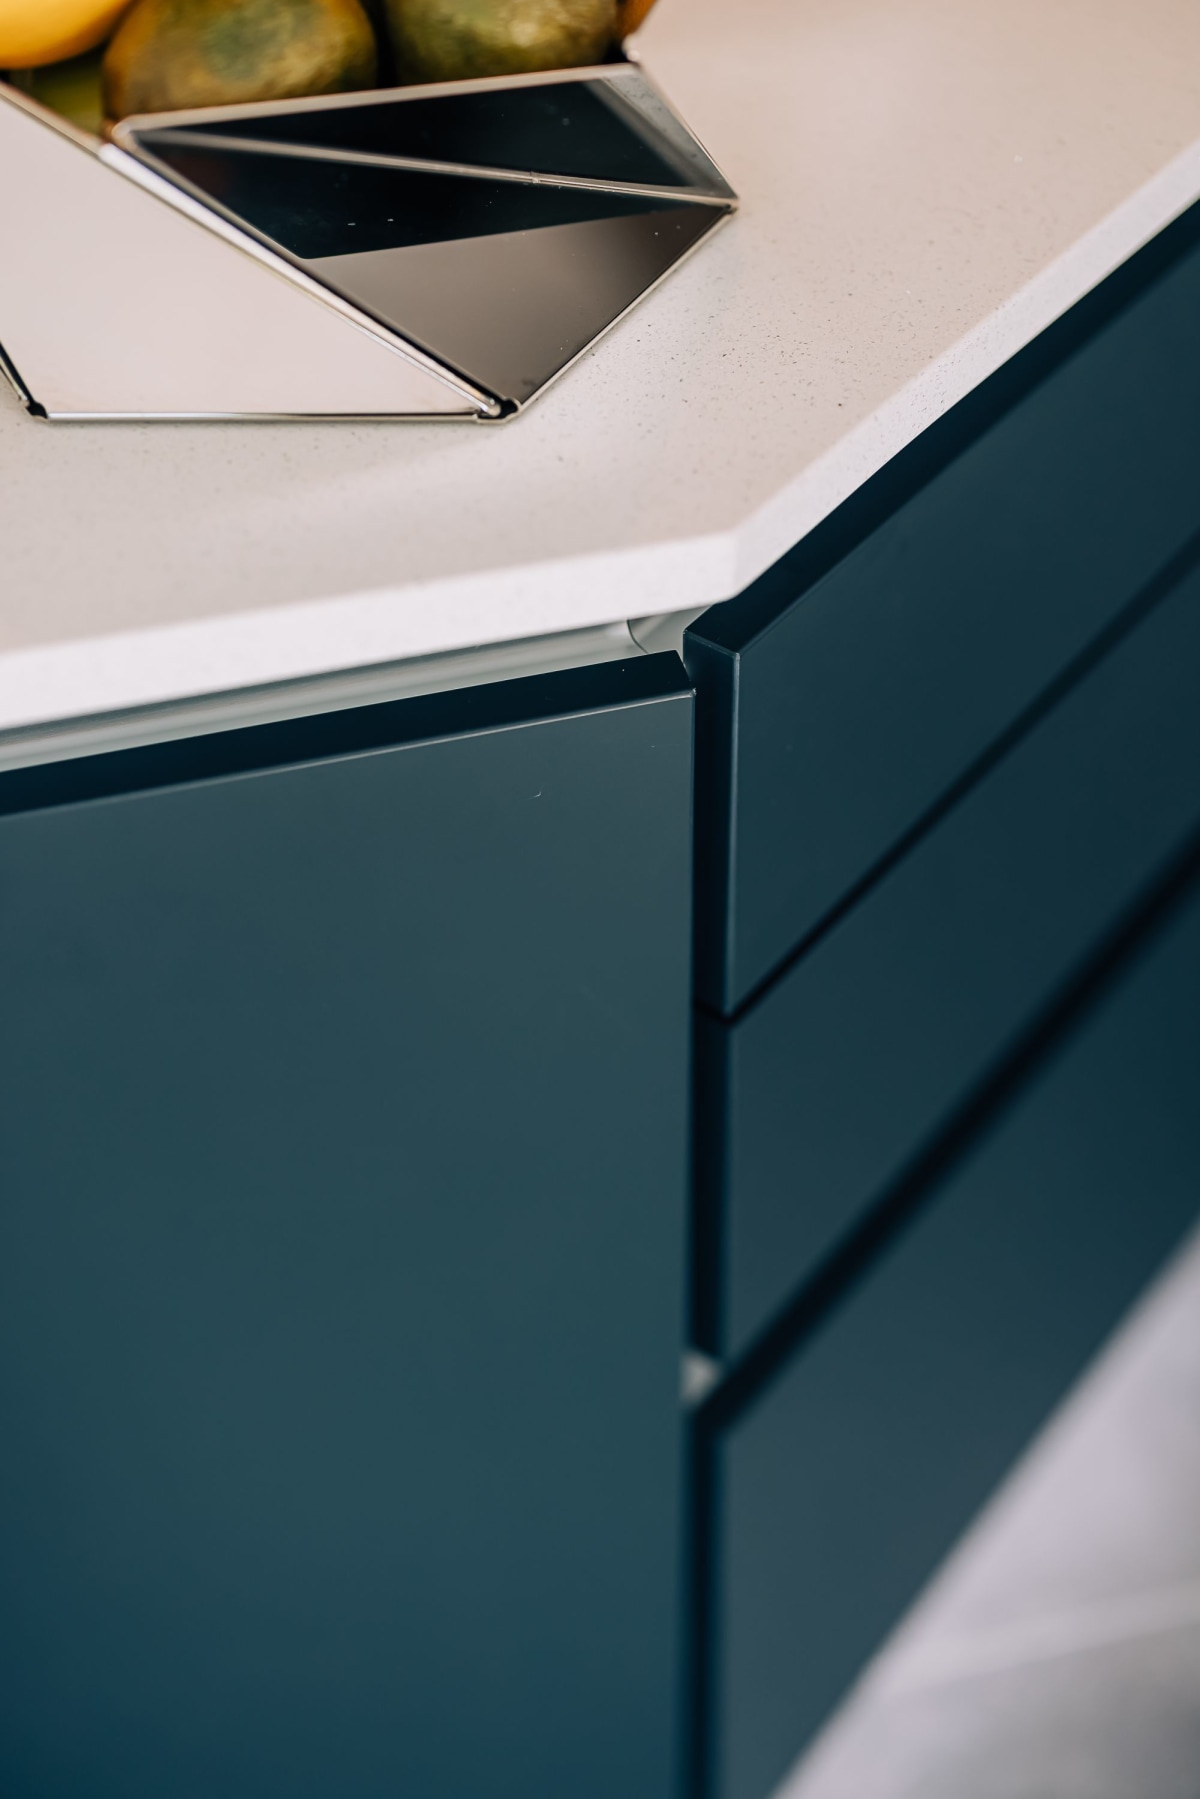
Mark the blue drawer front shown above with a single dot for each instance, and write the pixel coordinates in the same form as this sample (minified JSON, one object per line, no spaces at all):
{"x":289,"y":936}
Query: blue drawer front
{"x":848,"y":691}
{"x":825,"y":1092}
{"x":838,"y":1487}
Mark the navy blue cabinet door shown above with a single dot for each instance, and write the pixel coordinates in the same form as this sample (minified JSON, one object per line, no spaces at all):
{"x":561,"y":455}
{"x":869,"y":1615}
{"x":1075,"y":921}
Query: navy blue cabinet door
{"x":342,"y":1198}
{"x":837,"y":1484}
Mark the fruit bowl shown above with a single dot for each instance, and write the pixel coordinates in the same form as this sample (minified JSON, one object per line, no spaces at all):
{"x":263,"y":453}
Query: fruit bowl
{"x":439,"y":251}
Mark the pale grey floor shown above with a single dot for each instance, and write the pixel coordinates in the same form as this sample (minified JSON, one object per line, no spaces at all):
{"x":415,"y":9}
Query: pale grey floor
{"x":1058,"y":1655}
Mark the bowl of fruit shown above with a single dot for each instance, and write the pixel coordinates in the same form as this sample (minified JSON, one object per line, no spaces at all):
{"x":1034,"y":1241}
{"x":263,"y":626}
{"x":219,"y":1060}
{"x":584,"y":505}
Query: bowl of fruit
{"x":98,"y":60}
{"x":311,"y":208}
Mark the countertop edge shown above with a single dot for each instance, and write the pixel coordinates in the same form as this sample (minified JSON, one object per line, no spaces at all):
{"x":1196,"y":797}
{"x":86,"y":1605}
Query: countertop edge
{"x":89,"y":676}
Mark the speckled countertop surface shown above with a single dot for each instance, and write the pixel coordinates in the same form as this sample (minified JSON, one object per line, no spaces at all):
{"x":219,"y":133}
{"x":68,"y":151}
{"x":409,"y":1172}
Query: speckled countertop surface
{"x":925,"y":185}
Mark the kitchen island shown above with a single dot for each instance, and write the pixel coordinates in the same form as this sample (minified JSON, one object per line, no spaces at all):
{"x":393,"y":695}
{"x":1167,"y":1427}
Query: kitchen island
{"x":704,"y":874}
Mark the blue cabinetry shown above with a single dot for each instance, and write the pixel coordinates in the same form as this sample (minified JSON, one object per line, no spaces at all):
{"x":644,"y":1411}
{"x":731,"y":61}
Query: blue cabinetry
{"x":344,"y":1140}
{"x":342,"y":1231}
{"x":948,"y":787}
{"x":843,"y":697}
{"x":824,"y":1094}
{"x":834,"y":1486}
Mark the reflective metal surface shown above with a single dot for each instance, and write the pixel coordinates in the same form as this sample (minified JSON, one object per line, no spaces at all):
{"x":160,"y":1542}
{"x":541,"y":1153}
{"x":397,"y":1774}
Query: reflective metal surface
{"x":506,"y":281}
{"x":313,"y":208}
{"x":465,"y":244}
{"x":61,"y":740}
{"x":609,"y":125}
{"x":501,"y":227}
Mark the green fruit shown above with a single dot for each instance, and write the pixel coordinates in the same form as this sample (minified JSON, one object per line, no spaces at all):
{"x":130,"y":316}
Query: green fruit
{"x":172,"y":54}
{"x":449,"y":40}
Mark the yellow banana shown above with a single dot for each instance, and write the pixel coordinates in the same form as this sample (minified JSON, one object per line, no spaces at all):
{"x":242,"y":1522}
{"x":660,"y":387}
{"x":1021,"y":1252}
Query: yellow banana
{"x":33,"y":32}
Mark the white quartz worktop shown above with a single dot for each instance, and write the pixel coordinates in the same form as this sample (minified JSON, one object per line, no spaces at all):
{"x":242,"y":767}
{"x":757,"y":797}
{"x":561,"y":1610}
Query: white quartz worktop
{"x":925,"y":185}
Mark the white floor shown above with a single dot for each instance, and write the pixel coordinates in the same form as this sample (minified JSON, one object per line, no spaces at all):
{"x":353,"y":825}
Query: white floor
{"x":1058,"y":1655}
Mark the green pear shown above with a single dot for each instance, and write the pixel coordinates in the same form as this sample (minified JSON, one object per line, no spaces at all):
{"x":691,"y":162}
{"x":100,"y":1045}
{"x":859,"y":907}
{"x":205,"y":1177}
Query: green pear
{"x":451,"y":40}
{"x":171,"y":54}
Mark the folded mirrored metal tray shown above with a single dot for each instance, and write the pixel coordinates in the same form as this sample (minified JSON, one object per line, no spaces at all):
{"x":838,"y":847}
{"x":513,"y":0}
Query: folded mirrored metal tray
{"x":440,"y":251}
